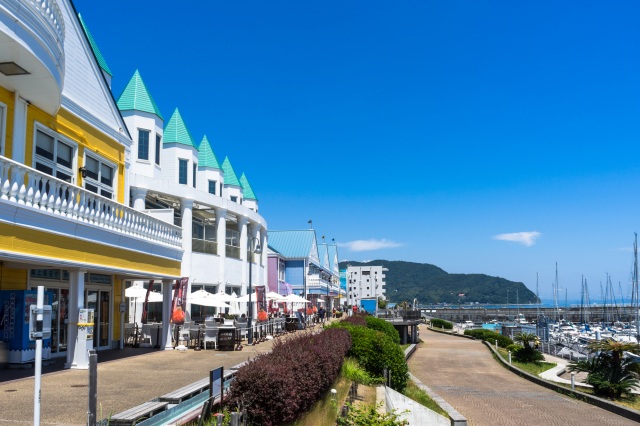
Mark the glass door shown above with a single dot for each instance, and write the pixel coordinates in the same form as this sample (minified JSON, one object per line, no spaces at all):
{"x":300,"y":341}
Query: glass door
{"x":99,"y":301}
{"x":59,"y":319}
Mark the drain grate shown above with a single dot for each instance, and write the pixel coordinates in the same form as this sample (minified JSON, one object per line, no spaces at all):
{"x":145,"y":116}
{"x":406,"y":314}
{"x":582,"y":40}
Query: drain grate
{"x":79,"y":386}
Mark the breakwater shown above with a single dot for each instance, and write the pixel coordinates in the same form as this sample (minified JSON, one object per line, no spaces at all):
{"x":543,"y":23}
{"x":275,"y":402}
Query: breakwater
{"x":573,"y":313}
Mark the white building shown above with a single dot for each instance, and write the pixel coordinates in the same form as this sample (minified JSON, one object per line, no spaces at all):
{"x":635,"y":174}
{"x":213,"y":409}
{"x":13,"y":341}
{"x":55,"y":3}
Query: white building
{"x":365,"y":282}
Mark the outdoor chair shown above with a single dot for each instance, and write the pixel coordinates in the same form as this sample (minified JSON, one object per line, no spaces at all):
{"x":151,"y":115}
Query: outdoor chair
{"x":242,"y":325}
{"x":210,"y":334}
{"x":185,"y":332}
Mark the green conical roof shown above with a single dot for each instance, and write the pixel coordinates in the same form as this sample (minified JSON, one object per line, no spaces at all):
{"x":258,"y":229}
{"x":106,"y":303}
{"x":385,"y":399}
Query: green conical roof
{"x":230,"y":177}
{"x":136,"y":97}
{"x":246,"y":188}
{"x":176,"y":132}
{"x":94,"y":47}
{"x":206,"y":157}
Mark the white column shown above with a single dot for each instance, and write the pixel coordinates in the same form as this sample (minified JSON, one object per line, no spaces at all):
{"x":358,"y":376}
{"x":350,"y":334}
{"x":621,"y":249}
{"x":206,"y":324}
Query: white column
{"x":221,"y":237}
{"x":76,"y":302}
{"x":242,"y":227}
{"x":186,"y":211}
{"x":19,"y":129}
{"x":138,"y":195}
{"x":264,"y":258}
{"x":167,"y":286}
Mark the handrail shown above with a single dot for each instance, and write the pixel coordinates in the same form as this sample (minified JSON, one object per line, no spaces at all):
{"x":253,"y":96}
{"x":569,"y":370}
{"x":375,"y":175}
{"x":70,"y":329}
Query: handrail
{"x":31,"y":188}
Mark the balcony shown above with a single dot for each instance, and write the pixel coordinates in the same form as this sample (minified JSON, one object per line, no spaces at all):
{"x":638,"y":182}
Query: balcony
{"x":62,"y":207}
{"x":233,"y":252}
{"x":32,"y":38}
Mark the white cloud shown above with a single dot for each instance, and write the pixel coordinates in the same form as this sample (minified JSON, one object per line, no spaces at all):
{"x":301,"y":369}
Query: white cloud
{"x":525,"y":238}
{"x":368,"y":245}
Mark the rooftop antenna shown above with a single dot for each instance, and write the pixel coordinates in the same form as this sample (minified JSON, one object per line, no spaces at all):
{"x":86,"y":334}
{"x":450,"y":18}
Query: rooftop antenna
{"x":310,"y":224}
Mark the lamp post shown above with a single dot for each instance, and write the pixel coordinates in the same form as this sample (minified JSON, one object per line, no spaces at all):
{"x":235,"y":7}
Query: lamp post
{"x":256,"y":250}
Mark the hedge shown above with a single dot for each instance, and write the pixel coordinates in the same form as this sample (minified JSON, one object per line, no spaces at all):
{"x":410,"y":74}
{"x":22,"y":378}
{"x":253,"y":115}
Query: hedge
{"x":385,"y":326}
{"x":374,"y":351}
{"x":440,"y":323}
{"x":490,"y":336}
{"x":282,"y":385}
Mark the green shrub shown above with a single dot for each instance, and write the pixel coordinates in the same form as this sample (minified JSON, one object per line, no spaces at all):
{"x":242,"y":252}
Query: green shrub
{"x":490,"y":336}
{"x":368,"y":415}
{"x":385,"y":326}
{"x":374,"y":351}
{"x":526,"y":354}
{"x":440,"y":323}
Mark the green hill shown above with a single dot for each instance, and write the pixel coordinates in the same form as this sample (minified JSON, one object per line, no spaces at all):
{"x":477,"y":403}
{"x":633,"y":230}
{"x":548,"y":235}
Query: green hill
{"x":430,"y":284}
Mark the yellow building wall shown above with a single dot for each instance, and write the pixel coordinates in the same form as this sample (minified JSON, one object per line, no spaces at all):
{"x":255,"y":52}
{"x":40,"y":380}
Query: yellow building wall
{"x":38,"y":243}
{"x":13,"y":279}
{"x":87,"y":138}
{"x":7,"y":98}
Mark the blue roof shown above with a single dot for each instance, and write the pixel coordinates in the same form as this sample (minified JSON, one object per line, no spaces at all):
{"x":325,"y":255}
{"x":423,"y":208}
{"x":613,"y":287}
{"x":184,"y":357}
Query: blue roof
{"x":294,"y":244}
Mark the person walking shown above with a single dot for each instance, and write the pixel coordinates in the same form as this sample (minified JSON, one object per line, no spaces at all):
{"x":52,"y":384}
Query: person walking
{"x":321,"y":313}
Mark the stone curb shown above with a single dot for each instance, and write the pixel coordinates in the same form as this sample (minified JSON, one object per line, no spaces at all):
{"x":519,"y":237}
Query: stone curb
{"x":590,"y":399}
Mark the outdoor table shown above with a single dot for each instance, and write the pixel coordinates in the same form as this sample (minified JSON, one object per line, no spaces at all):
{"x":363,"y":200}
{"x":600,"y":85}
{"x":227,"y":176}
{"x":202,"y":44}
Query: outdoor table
{"x":226,"y":338}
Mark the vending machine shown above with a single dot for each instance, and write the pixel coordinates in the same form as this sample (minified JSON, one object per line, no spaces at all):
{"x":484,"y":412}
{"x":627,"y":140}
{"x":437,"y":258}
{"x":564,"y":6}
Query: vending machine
{"x":15,"y":312}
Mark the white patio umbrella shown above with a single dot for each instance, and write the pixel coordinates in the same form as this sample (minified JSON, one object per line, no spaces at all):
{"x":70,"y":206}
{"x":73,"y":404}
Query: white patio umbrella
{"x":273,"y":296}
{"x":204,"y":298}
{"x":225,"y":297}
{"x":294,"y":298}
{"x":154,"y":296}
{"x":135,"y":292}
{"x":245,"y":298}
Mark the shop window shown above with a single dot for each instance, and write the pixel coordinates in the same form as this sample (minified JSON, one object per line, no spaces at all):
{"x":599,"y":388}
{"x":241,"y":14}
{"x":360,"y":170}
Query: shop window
{"x":54,"y":156}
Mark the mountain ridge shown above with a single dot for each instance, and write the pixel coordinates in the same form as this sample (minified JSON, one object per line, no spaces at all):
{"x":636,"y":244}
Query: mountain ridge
{"x":431,"y":284}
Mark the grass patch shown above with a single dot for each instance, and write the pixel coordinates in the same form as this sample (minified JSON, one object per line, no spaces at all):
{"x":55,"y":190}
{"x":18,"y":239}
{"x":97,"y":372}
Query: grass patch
{"x":632,"y":402}
{"x":533,"y":368}
{"x":325,"y":411}
{"x":414,"y":392}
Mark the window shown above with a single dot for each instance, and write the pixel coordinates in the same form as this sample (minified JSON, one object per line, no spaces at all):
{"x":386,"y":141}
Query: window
{"x":195,"y":174}
{"x":158,"y":140}
{"x":221,"y":189}
{"x":100,"y":176}
{"x":182,"y":171}
{"x":212,"y":187}
{"x":3,"y":119}
{"x":143,"y":144}
{"x":53,"y":156}
{"x":234,"y":199}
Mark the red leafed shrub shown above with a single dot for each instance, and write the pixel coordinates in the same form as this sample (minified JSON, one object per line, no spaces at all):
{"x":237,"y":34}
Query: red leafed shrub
{"x":356,"y":319}
{"x":280,"y":386}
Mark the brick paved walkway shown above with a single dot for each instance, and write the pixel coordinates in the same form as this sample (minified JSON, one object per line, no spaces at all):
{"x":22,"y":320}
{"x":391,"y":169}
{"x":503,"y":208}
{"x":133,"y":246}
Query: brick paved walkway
{"x":464,"y":373}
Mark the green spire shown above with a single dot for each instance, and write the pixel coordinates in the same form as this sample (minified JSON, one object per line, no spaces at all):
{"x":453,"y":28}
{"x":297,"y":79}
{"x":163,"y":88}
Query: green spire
{"x":176,"y":132}
{"x":94,"y":47}
{"x":246,"y":188}
{"x":230,"y":177}
{"x":206,"y":157}
{"x":136,"y":97}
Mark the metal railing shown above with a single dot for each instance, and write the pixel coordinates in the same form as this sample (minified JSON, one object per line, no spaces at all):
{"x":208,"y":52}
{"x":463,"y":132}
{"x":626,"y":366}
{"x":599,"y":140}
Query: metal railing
{"x":35,"y":190}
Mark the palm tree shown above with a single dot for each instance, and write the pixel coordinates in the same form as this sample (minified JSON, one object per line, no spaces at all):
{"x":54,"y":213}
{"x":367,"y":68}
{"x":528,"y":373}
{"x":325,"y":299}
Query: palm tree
{"x":527,"y":353}
{"x":611,"y":373}
{"x":526,"y":339}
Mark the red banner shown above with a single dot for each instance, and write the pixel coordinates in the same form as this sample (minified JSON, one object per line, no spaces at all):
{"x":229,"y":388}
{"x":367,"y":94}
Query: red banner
{"x":178,"y":305}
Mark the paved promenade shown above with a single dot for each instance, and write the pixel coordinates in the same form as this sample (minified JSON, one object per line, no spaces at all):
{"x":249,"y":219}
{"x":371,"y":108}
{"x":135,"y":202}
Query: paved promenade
{"x":464,"y":373}
{"x":125,"y":379}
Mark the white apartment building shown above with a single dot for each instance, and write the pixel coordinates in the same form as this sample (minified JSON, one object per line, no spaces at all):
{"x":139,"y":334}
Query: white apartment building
{"x":365,"y":282}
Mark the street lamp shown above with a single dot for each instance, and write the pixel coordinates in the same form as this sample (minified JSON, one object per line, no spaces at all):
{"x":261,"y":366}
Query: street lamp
{"x":256,"y":250}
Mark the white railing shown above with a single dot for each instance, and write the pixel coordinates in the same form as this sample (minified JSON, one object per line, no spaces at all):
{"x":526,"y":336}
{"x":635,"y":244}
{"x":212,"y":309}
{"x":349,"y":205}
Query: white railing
{"x":49,"y":14}
{"x":33,"y":189}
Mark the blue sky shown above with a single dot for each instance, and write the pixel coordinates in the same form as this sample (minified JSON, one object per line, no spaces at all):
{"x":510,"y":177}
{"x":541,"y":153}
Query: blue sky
{"x":413,"y":130}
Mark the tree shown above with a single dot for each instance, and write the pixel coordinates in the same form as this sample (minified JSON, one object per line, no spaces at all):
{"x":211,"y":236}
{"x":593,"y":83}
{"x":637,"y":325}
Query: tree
{"x":611,"y":373}
{"x":382,"y":303}
{"x":527,"y":353}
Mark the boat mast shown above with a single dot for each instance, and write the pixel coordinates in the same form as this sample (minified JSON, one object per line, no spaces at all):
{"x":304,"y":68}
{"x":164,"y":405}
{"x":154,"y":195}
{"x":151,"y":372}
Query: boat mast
{"x":555,"y":293}
{"x":538,"y":297}
{"x":634,"y":289}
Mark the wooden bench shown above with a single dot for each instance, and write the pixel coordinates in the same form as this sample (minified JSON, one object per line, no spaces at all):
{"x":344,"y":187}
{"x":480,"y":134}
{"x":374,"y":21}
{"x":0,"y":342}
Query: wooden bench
{"x":140,"y":412}
{"x":179,"y":395}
